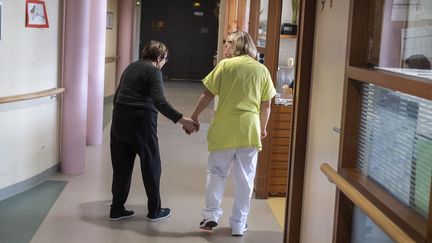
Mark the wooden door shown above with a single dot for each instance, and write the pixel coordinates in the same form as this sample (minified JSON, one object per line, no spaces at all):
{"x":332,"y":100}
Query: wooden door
{"x":189,"y":32}
{"x":180,"y":32}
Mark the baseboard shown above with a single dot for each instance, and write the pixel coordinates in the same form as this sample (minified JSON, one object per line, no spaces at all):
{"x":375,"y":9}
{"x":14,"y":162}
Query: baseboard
{"x":109,"y":98}
{"x":27,"y":184}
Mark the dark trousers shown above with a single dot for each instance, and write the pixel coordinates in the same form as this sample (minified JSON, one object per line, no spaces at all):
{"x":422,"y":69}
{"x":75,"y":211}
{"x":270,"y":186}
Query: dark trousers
{"x":134,"y":131}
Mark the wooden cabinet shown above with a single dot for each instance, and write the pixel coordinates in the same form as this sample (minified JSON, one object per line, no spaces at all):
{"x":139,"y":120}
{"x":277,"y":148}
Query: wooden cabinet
{"x":273,"y":163}
{"x":279,"y":148}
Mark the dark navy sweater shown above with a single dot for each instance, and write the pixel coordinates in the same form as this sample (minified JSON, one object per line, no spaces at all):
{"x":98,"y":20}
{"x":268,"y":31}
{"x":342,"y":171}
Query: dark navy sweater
{"x":141,"y":86}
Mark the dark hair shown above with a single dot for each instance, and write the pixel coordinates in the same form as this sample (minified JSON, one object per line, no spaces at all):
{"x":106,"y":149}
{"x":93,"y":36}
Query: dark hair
{"x":154,"y":50}
{"x":418,"y":62}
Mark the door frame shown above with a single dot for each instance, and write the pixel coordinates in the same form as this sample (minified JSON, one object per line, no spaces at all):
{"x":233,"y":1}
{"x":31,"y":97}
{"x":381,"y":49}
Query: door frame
{"x":302,"y":87}
{"x":302,"y":93}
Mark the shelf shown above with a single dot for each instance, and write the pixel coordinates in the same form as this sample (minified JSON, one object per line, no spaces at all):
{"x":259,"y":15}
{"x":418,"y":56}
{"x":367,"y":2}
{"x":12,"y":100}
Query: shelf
{"x":288,"y":36}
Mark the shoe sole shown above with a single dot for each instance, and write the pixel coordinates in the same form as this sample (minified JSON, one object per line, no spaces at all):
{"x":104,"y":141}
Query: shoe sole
{"x":208,"y":227}
{"x":207,"y":230}
{"x":241,"y":234}
{"x":157,"y":219}
{"x":123,"y":217}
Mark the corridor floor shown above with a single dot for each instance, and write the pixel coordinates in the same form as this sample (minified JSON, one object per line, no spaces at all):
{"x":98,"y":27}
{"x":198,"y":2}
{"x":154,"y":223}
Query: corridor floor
{"x":80,"y":213}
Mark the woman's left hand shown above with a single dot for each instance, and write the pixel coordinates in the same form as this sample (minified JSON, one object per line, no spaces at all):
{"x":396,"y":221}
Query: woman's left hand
{"x":189,"y":125}
{"x":263,"y":134}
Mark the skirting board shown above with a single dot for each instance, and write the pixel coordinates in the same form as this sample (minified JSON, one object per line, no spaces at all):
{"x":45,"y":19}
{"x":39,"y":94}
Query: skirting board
{"x":109,"y":98}
{"x":27,"y":184}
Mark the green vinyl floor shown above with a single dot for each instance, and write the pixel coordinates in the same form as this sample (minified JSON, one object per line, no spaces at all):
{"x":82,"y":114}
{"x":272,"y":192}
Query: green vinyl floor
{"x":107,"y":112}
{"x":22,"y":214}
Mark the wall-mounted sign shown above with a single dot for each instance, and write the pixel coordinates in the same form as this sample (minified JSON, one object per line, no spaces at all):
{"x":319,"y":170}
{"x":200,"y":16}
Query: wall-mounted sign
{"x":36,"y":14}
{"x":1,"y":21}
{"x":199,"y":13}
{"x":158,"y":25}
{"x":109,"y":20}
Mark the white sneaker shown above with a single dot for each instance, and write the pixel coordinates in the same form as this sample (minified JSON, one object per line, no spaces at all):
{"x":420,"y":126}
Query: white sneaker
{"x":238,"y":231}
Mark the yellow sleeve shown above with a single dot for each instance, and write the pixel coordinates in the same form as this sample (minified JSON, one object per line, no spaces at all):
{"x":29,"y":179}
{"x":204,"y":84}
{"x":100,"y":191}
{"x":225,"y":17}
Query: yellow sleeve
{"x":213,"y":79}
{"x":269,"y":90}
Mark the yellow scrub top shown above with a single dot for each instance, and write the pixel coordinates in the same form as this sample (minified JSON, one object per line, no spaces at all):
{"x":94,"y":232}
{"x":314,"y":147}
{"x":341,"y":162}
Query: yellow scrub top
{"x":241,"y":83}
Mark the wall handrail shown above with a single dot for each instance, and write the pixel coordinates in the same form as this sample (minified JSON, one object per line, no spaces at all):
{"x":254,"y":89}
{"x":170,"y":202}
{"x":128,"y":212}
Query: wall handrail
{"x":33,"y":95}
{"x":387,"y":225}
{"x":111,"y":59}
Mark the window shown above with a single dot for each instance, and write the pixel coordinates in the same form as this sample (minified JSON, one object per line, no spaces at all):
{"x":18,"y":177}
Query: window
{"x":386,"y":148}
{"x":401,"y":37}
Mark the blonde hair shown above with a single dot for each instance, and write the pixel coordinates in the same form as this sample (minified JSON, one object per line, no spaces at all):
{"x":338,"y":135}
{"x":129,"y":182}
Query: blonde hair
{"x":242,"y":44}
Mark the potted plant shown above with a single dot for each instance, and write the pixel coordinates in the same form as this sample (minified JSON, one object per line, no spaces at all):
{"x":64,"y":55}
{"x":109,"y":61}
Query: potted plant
{"x":294,"y":8}
{"x":291,"y":28}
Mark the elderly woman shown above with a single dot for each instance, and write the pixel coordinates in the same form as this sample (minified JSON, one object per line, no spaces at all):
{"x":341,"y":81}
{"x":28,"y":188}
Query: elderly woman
{"x":245,"y":90}
{"x":137,"y":101}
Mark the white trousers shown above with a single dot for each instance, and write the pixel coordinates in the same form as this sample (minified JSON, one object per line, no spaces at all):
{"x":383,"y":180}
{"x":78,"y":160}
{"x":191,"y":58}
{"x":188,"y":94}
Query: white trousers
{"x":245,"y":162}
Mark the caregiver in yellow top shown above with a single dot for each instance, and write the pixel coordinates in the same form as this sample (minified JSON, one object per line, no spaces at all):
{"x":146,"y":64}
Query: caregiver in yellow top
{"x":245,"y":90}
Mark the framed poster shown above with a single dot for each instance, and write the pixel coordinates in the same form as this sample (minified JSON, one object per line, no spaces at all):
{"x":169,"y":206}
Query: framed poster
{"x":109,"y":20}
{"x":36,"y":14}
{"x":1,"y":21}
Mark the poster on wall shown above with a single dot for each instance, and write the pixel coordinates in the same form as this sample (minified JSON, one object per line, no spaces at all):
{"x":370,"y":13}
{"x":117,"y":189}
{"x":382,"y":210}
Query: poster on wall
{"x":1,"y":21}
{"x":36,"y":14}
{"x":109,"y":20}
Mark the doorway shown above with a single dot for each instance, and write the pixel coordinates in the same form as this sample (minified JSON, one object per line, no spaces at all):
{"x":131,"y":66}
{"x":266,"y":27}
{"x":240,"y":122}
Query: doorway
{"x":281,"y":164}
{"x":190,"y":31}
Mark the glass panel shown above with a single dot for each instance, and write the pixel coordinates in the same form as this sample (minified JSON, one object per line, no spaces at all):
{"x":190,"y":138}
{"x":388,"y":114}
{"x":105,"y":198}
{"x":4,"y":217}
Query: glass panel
{"x":395,"y":146}
{"x":262,"y":28}
{"x":247,"y":12}
{"x":364,"y":230}
{"x":287,"y":53}
{"x":401,"y":37}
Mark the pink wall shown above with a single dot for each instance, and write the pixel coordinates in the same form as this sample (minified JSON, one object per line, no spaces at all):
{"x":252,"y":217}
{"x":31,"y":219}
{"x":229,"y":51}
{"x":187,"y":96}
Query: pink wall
{"x":83,"y":78}
{"x":96,"y":72}
{"x":75,"y":80}
{"x":125,"y":33}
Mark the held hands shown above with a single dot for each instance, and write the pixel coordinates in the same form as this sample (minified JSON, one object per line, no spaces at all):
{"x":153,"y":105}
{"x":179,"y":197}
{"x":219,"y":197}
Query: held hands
{"x":263,"y":133}
{"x":197,"y":124}
{"x":189,"y":126}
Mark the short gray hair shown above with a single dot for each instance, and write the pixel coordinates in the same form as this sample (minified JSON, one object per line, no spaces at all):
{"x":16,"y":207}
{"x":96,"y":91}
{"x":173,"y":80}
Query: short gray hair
{"x":154,"y":50}
{"x":242,"y":43}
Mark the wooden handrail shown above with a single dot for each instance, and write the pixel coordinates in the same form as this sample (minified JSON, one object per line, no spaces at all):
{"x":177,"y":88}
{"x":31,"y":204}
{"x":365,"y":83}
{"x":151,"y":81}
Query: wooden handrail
{"x":111,"y":59}
{"x":29,"y":96}
{"x":364,"y":204}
